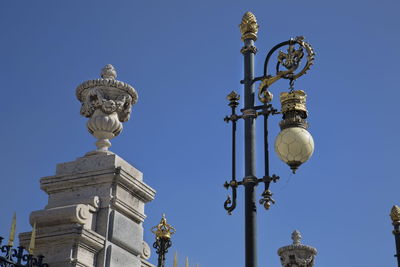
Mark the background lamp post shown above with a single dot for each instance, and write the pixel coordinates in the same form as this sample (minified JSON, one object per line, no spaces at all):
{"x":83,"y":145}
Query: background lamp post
{"x":395,"y":216}
{"x":294,"y":144}
{"x":163,"y":232}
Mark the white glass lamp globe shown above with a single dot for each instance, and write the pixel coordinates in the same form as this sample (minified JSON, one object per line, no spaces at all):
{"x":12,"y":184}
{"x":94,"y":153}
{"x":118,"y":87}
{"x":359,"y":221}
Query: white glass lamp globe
{"x":294,"y":146}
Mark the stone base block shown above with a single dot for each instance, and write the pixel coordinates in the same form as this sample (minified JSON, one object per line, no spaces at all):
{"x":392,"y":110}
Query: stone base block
{"x":94,"y":214}
{"x":118,"y":257}
{"x":125,"y":233}
{"x":66,"y":245}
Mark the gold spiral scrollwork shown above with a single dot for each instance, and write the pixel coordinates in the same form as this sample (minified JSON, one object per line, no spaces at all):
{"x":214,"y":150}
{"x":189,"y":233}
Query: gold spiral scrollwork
{"x":290,"y":60}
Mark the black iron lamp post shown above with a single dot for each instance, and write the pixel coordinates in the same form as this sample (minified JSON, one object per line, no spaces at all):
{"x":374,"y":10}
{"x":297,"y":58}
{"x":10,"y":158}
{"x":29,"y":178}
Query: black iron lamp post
{"x":294,"y":144}
{"x":163,"y":232}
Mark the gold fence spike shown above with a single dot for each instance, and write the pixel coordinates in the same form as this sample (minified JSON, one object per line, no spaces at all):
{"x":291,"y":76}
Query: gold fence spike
{"x":33,"y":237}
{"x":12,"y":230}
{"x":176,"y":259}
{"x":187,"y":262}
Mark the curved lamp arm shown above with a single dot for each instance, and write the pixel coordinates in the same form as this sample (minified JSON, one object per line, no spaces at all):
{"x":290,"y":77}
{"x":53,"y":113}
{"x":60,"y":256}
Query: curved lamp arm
{"x":290,"y":60}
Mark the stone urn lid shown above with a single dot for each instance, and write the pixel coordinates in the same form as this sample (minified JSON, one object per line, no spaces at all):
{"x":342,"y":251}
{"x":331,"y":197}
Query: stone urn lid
{"x":108,"y":80}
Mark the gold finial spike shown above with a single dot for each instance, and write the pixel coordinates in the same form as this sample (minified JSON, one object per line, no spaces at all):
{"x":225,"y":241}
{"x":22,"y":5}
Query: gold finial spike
{"x":249,"y":27}
{"x":395,"y":213}
{"x":163,"y":229}
{"x":233,"y":96}
{"x":33,"y":239}
{"x":176,"y":259}
{"x":187,"y":262}
{"x":12,"y":230}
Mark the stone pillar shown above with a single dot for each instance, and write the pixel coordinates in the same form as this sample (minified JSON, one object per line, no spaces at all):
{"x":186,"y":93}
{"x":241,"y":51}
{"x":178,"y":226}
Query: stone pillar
{"x":94,"y":214}
{"x":95,"y":211}
{"x":297,"y":254}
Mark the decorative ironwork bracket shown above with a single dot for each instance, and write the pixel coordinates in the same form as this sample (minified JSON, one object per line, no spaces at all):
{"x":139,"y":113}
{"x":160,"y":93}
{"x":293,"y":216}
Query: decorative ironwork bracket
{"x":263,"y":110}
{"x":290,"y":60}
{"x":266,"y":110}
{"x":266,"y":200}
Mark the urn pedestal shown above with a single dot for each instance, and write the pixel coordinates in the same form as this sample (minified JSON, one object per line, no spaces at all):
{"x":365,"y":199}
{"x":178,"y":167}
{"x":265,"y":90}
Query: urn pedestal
{"x":94,"y":216}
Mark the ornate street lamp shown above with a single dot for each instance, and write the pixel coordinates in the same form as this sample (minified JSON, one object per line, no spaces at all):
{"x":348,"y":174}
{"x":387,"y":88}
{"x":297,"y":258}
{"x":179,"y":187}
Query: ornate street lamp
{"x":163,"y":232}
{"x":294,"y":144}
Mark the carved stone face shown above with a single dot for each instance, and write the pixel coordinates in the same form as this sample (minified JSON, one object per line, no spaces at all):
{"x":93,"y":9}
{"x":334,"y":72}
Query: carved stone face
{"x":108,"y":106}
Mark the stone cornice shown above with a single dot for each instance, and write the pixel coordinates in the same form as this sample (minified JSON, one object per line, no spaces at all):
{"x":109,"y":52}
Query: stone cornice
{"x":58,"y":183}
{"x":70,"y":232}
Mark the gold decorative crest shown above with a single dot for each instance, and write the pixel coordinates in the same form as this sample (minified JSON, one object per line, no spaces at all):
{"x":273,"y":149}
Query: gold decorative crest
{"x":163,"y":229}
{"x":249,"y":26}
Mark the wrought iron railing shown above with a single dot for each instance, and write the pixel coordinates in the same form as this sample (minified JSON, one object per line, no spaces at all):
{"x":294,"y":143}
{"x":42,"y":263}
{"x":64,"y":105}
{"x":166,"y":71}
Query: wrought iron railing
{"x":19,"y":257}
{"x":11,"y":256}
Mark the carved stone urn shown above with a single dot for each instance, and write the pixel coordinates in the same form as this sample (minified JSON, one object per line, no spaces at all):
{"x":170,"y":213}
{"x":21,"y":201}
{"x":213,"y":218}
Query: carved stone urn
{"x":297,"y":254}
{"x":107,"y":103}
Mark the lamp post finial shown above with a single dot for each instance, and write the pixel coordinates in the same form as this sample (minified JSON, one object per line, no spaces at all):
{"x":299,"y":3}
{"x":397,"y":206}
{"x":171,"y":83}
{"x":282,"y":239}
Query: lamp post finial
{"x":395,"y":213}
{"x":249,"y":27}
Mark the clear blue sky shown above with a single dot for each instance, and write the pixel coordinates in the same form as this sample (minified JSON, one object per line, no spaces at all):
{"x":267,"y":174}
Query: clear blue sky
{"x":183,"y":59}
